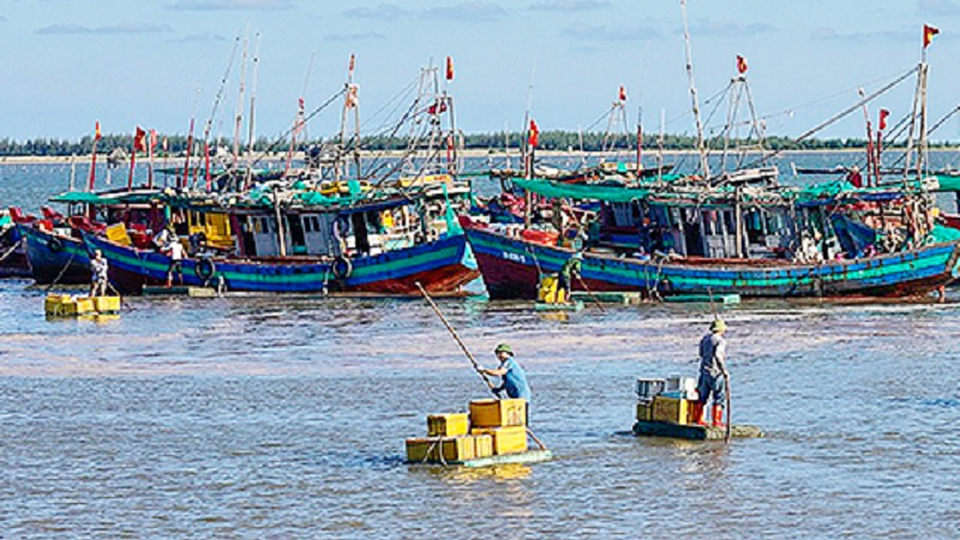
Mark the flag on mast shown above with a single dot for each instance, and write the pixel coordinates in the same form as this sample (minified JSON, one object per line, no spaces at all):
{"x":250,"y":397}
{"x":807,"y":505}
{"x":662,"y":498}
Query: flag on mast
{"x":622,"y":96}
{"x":928,"y":33}
{"x":741,"y":65}
{"x":139,"y":140}
{"x":534,"y":139}
{"x":449,"y":68}
{"x":97,"y":135}
{"x":884,"y":113}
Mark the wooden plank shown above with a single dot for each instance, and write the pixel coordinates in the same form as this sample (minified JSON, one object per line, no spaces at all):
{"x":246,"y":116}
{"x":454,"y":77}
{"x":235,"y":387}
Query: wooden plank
{"x":703,"y":298}
{"x":695,"y":433}
{"x":532,"y":456}
{"x":608,"y":297}
{"x":572,"y":306}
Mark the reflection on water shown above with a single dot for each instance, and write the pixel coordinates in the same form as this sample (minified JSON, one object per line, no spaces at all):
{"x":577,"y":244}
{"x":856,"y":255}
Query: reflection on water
{"x":280,"y":417}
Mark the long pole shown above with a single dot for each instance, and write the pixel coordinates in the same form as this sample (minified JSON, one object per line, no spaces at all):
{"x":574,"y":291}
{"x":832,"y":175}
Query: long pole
{"x":589,"y":292}
{"x":466,"y":351}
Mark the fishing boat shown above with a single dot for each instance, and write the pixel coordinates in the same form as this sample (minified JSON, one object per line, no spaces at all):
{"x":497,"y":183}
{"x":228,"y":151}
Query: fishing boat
{"x":13,"y":253}
{"x":751,"y":241}
{"x":330,"y":249}
{"x":54,"y":244}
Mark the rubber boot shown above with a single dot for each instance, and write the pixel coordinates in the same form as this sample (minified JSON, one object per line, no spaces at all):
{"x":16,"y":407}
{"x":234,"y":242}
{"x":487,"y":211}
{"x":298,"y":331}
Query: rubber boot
{"x":718,"y":416}
{"x":697,"y":413}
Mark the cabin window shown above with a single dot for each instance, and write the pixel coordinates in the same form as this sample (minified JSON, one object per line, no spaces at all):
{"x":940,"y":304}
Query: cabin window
{"x":307,"y":224}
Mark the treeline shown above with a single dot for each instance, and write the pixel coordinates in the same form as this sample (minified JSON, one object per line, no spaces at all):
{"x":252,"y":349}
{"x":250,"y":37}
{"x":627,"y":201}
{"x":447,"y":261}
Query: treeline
{"x":176,"y":145}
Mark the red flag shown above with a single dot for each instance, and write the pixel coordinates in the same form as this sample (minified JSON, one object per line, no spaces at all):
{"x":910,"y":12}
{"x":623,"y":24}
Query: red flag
{"x":353,"y":98}
{"x":623,"y":93}
{"x":928,"y":33}
{"x":741,"y":65}
{"x":96,"y":132}
{"x":534,"y":134}
{"x":439,"y":107}
{"x":139,"y":140}
{"x":449,"y":68}
{"x":153,"y":139}
{"x":884,"y":113}
{"x":353,"y":64}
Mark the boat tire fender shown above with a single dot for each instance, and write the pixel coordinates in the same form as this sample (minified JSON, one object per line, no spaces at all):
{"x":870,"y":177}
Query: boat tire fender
{"x":55,"y":245}
{"x":205,"y":269}
{"x":341,"y":267}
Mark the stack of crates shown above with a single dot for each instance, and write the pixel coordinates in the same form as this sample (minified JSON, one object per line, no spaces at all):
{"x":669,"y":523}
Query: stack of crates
{"x":666,"y":400}
{"x":64,"y":305}
{"x":493,"y":427}
{"x":503,"y":419}
{"x":449,"y":440}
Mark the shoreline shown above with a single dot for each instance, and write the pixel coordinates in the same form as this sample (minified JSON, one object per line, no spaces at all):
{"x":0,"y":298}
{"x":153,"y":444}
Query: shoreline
{"x":469,"y":153}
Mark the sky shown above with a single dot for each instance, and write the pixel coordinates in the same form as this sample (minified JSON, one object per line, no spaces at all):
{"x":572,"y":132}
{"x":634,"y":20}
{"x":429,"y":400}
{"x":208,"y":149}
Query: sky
{"x":67,"y":64}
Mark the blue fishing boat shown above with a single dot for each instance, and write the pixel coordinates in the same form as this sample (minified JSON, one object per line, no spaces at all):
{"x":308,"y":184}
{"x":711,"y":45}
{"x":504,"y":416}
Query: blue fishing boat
{"x":55,"y":256}
{"x":752,"y":241}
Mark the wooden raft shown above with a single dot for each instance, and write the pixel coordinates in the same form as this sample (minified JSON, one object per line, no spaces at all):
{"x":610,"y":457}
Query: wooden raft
{"x":696,"y":433}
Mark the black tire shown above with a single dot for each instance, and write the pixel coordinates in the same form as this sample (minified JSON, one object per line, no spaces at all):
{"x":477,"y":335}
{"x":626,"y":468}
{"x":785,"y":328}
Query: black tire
{"x":205,"y":269}
{"x":342,"y":268}
{"x":55,"y":244}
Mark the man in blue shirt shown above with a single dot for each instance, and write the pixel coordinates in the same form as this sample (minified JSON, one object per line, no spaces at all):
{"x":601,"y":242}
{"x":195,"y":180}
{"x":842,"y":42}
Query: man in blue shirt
{"x":513,"y":378}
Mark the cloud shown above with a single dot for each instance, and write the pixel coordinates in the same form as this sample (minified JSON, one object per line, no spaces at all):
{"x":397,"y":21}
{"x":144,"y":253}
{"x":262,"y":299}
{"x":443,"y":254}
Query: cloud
{"x":592,"y":32}
{"x":469,"y":12}
{"x":200,"y":38}
{"x":705,"y":27}
{"x":569,"y":5}
{"x":938,"y":7}
{"x":830,"y":34}
{"x":384,"y":12}
{"x":132,"y":28}
{"x":218,"y":5}
{"x":361,"y":36}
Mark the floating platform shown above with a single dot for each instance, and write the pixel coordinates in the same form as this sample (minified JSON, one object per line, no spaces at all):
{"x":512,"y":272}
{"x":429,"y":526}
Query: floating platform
{"x":626,"y":298}
{"x":693,"y":432}
{"x":546,"y":306}
{"x":532,"y":456}
{"x":192,"y":292}
{"x":732,"y":298}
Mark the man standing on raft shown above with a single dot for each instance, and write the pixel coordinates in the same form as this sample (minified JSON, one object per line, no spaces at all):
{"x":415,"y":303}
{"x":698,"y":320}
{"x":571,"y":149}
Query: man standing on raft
{"x":713,"y":373}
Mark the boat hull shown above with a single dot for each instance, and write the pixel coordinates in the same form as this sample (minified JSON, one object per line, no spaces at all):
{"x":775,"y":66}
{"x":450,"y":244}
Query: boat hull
{"x":511,"y":266}
{"x":13,"y":255}
{"x":440,"y":266}
{"x":55,"y":258}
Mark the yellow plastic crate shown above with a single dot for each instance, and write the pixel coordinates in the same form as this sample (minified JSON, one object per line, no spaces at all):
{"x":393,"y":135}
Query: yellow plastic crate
{"x":451,"y":448}
{"x":645,"y":411}
{"x":106,"y":304}
{"x":482,"y":445}
{"x":506,"y":440}
{"x":62,"y":305}
{"x":672,"y":410}
{"x":448,"y":425}
{"x":498,"y":412}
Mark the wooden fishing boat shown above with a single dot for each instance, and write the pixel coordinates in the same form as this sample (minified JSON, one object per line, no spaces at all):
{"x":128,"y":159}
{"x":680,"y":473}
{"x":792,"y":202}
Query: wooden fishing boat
{"x":643,"y":428}
{"x":754,"y":241}
{"x":510,"y":267}
{"x":440,"y":266}
{"x":55,"y":256}
{"x":13,"y":252}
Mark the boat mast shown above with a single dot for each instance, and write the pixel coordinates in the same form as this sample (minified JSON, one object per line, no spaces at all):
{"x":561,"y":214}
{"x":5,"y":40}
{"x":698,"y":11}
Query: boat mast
{"x":238,"y":120}
{"x":701,"y":146}
{"x":350,"y":101}
{"x":253,"y":103}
